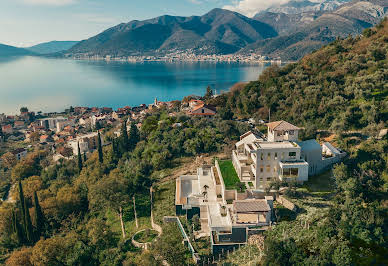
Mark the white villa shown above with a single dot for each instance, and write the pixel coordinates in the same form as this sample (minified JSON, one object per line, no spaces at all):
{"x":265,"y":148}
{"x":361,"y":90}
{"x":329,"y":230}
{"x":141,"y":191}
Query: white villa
{"x":281,"y":156}
{"x":86,"y":142}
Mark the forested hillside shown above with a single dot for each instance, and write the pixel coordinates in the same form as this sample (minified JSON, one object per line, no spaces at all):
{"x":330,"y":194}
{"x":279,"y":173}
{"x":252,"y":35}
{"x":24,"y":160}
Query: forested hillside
{"x":343,"y":86}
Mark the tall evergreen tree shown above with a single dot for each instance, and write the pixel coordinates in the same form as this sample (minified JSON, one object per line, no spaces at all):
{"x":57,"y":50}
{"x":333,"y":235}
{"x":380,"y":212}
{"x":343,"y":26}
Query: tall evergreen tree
{"x":17,"y":229}
{"x":134,"y":137}
{"x":28,"y":228}
{"x":100,"y":154}
{"x":79,"y":159}
{"x":21,"y":199}
{"x":85,"y":158}
{"x":124,"y":138}
{"x":39,"y":216}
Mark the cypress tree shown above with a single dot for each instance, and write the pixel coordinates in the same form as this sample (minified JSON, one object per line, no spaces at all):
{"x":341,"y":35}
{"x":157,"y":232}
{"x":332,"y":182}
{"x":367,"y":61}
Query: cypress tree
{"x":134,"y":136}
{"x":85,"y":158}
{"x":21,"y":198}
{"x":124,"y":137}
{"x":29,"y":230}
{"x":100,"y":154}
{"x":17,"y":228}
{"x":79,"y":159}
{"x":39,"y":217}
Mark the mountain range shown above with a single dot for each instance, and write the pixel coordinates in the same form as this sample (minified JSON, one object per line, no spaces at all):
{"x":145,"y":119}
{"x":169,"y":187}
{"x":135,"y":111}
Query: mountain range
{"x":217,"y":32}
{"x":52,"y":47}
{"x":311,"y":30}
{"x":288,"y":31}
{"x":7,"y":50}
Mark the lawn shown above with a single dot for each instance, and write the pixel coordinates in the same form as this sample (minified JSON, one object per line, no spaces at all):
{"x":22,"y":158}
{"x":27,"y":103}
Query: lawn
{"x":320,"y":183}
{"x":229,"y":175}
{"x":164,"y":201}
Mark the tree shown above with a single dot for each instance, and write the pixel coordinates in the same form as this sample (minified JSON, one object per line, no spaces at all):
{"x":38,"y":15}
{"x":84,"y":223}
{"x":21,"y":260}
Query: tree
{"x":39,"y":216}
{"x":9,"y":160}
{"x":28,"y":228}
{"x":124,"y":138}
{"x":85,"y":158}
{"x":100,"y":154}
{"x":111,"y":192}
{"x":209,"y":93}
{"x":23,"y":110}
{"x":79,"y":159}
{"x":241,"y":186}
{"x":134,"y":137}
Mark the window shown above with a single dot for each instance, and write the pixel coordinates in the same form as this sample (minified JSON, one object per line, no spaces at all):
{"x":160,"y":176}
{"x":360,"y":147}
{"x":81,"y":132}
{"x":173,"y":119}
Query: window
{"x":269,"y":156}
{"x":292,"y":154}
{"x":261,"y":169}
{"x":203,"y":111}
{"x":261,"y":156}
{"x":279,"y":133}
{"x":291,"y":132}
{"x":282,"y":155}
{"x":276,"y":155}
{"x":269,"y":179}
{"x":274,"y":169}
{"x":268,"y":168}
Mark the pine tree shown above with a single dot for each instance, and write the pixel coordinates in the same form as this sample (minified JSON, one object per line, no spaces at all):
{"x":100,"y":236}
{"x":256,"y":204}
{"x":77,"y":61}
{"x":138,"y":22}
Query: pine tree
{"x":134,"y":137}
{"x":79,"y":159}
{"x":124,"y":138}
{"x":28,"y":228}
{"x":39,"y":217}
{"x":100,"y":154}
{"x":85,"y":158}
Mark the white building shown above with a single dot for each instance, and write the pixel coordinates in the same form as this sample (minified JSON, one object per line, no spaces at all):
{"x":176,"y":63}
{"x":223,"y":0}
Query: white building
{"x":87,"y":143}
{"x":280,"y":157}
{"x":62,"y":124}
{"x":51,"y":122}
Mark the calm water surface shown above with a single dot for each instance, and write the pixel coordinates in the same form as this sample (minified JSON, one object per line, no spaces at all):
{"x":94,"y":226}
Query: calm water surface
{"x":54,"y":84}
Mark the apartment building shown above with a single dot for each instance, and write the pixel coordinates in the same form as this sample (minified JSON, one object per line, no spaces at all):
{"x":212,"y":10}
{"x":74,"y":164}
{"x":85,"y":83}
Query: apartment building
{"x":86,"y":143}
{"x":280,"y":156}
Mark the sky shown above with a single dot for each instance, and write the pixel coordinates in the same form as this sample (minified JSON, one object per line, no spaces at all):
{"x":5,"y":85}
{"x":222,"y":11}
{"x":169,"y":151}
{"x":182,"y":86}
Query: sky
{"x":25,"y":23}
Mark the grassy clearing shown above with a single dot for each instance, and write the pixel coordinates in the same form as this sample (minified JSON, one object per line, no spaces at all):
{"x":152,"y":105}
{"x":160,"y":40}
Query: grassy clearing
{"x":320,"y":183}
{"x":164,"y":201}
{"x":146,"y":236}
{"x":229,"y":174}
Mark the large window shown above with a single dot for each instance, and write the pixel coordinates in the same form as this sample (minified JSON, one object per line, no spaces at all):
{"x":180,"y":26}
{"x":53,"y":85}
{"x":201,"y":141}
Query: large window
{"x":292,"y":154}
{"x":290,"y":172}
{"x":268,"y":168}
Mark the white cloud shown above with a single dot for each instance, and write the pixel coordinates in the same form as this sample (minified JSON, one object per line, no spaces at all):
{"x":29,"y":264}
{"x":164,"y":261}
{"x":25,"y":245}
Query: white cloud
{"x":252,"y":7}
{"x":49,"y":2}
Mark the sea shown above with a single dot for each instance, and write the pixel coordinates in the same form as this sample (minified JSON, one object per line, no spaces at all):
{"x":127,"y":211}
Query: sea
{"x":51,"y":85}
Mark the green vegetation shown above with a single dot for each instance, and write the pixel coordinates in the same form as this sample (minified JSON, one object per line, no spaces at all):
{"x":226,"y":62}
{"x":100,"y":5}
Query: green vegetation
{"x":229,"y":175}
{"x":320,"y":183}
{"x":146,"y":236}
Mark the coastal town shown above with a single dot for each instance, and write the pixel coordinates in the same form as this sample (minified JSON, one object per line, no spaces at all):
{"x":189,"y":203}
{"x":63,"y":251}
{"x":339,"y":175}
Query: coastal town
{"x":184,"y":56}
{"x":232,"y":201}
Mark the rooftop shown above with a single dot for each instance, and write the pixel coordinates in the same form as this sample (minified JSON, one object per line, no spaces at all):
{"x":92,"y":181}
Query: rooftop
{"x":258,"y":205}
{"x":276,"y":145}
{"x":282,"y":125}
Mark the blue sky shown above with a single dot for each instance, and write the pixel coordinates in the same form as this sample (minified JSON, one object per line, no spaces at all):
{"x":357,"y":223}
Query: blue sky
{"x":28,"y":22}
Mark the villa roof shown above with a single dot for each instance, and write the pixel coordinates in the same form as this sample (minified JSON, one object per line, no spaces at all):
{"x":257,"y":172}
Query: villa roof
{"x":251,"y":206}
{"x":281,"y":125}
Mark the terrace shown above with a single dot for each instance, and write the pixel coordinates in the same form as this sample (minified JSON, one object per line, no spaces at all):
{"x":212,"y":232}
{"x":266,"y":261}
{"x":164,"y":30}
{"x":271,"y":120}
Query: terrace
{"x":230,"y":176}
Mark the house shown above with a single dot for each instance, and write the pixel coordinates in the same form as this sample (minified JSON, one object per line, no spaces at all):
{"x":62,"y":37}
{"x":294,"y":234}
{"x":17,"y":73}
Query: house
{"x":63,"y":124}
{"x":203,"y":110}
{"x":19,"y":124}
{"x":194,"y":103}
{"x":19,"y":153}
{"x":86,"y":143}
{"x":51,"y":122}
{"x":45,"y":138}
{"x":227,"y":224}
{"x":7,"y":129}
{"x":281,"y":156}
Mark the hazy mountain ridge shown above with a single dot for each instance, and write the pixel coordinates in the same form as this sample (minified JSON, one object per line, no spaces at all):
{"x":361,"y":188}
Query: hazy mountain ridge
{"x":348,"y":19}
{"x":219,"y":31}
{"x":7,"y":50}
{"x":52,"y":47}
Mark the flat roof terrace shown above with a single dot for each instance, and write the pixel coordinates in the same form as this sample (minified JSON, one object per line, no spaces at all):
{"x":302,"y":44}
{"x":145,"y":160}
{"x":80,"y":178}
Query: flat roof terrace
{"x":276,"y":145}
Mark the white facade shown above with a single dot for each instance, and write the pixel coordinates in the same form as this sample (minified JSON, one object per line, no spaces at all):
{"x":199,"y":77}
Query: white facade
{"x":86,"y":143}
{"x":263,"y":162}
{"x":51,"y":122}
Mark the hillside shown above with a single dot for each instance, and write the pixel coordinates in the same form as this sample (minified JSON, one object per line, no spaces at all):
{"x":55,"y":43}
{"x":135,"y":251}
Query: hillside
{"x":305,"y":37}
{"x":219,"y":31}
{"x":342,"y":86}
{"x":6,"y":50}
{"x":52,"y":47}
